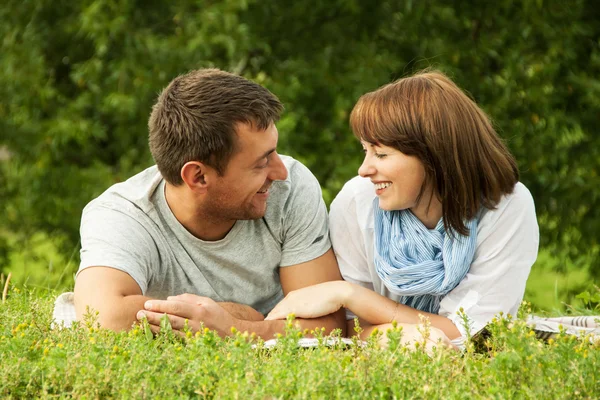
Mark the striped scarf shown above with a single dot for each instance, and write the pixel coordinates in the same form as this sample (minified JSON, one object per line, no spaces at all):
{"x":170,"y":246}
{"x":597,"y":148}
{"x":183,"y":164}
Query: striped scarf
{"x":419,"y":264}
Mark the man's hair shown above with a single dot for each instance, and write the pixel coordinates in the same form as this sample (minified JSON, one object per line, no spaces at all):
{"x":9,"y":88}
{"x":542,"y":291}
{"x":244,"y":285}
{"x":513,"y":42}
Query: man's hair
{"x":196,"y":115}
{"x":429,"y":117}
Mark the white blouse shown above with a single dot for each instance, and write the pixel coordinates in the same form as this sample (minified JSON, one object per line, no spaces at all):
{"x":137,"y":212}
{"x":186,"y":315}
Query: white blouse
{"x":507,"y":247}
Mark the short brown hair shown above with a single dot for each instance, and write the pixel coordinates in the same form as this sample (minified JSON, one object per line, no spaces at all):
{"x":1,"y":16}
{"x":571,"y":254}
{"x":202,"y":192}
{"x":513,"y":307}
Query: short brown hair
{"x":195,"y":119}
{"x":429,"y":117}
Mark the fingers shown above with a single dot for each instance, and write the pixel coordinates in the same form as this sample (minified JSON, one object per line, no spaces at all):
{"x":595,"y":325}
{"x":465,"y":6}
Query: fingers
{"x":277,"y":313}
{"x":156,"y":329}
{"x":191,"y":298}
{"x":154,"y":319}
{"x":173,"y":307}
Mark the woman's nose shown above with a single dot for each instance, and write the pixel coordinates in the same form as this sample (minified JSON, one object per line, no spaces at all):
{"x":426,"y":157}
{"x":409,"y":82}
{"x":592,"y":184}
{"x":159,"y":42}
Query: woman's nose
{"x":366,"y":169}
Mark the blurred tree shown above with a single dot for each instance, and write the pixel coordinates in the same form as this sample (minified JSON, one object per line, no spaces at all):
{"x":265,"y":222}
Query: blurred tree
{"x":77,"y":81}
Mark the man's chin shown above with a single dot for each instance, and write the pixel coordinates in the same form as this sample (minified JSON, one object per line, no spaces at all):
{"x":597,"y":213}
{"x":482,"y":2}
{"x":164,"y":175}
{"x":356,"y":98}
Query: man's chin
{"x":255,"y":213}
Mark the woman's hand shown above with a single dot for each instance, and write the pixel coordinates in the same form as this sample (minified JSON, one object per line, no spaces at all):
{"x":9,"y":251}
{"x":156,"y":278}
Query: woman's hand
{"x":312,"y":301}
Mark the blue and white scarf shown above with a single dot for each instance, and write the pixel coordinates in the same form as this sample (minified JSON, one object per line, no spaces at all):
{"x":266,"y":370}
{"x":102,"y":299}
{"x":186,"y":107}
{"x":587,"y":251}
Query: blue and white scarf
{"x":419,"y":264}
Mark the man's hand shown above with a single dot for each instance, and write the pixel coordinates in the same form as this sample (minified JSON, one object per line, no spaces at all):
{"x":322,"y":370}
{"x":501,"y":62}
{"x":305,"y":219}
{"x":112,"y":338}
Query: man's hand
{"x":197,"y":310}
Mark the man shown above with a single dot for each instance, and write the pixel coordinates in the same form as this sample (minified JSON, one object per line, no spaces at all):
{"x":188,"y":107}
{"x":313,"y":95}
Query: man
{"x":222,"y":221}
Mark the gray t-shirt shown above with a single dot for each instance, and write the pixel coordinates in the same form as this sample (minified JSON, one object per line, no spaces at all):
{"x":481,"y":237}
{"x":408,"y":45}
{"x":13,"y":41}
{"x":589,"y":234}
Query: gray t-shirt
{"x":131,"y":228}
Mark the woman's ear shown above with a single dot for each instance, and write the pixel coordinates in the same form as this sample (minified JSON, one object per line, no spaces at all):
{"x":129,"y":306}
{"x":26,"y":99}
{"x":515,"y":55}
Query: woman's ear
{"x":194,"y":176}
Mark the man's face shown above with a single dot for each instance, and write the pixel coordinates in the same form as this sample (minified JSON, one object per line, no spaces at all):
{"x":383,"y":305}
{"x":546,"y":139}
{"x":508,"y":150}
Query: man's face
{"x":242,"y":192}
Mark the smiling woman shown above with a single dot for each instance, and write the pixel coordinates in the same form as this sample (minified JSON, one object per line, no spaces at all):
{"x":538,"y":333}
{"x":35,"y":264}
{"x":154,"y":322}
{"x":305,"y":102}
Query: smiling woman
{"x":436,"y":222}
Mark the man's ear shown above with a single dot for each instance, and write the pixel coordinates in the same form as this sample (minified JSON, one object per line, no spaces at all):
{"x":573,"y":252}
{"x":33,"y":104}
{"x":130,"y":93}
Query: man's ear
{"x":194,"y":175}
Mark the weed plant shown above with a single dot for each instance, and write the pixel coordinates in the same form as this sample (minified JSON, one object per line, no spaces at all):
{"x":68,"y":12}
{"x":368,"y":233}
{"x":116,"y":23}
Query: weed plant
{"x":84,"y":361}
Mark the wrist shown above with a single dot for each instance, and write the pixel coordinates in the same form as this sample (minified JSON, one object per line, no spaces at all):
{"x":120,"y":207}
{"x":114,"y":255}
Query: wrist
{"x":346,"y":293}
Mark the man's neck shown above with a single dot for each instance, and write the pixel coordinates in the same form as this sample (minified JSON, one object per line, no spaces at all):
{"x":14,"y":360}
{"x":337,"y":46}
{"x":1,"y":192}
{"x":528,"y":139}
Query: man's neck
{"x":186,"y":211}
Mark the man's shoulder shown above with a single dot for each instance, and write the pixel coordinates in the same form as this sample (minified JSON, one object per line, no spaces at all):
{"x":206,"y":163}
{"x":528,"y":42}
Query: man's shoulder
{"x":299,"y":179}
{"x":297,"y":172}
{"x":300,"y":190}
{"x":133,"y":194}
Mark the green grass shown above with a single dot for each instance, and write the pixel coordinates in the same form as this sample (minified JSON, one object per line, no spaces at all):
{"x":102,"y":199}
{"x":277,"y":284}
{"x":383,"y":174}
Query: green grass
{"x":553,"y":285}
{"x":87,"y":362}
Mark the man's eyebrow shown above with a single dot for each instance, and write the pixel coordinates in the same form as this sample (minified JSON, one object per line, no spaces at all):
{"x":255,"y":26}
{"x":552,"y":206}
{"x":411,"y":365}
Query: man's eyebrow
{"x":265,"y":154}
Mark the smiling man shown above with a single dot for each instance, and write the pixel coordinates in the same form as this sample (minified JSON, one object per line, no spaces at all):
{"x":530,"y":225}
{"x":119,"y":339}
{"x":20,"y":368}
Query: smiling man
{"x":219,"y":230}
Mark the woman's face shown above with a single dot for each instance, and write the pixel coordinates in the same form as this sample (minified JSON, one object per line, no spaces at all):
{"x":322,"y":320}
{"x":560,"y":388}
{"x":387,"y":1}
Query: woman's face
{"x":397,"y":178}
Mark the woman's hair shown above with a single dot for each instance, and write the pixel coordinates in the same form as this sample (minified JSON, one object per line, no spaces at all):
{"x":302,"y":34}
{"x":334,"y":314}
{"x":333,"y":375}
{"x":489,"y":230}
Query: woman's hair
{"x":427,"y":116}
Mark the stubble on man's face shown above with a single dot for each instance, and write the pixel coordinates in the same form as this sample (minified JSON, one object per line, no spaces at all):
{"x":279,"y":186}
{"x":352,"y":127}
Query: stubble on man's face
{"x":226,"y":205}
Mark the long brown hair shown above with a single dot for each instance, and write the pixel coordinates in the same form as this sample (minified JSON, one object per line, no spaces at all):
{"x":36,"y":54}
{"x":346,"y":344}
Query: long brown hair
{"x":429,"y":117}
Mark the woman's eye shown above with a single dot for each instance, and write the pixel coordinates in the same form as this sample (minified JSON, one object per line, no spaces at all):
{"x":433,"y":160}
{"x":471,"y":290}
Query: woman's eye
{"x":379,"y":155}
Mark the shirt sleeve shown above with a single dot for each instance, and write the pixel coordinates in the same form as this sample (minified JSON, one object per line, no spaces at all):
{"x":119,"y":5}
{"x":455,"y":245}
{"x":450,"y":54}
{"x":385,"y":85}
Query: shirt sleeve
{"x":112,"y":238}
{"x":347,"y":238}
{"x":508,"y":239}
{"x":306,"y":231}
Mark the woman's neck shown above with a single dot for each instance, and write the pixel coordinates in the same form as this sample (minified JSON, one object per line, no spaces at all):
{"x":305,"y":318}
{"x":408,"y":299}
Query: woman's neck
{"x":428,"y":212}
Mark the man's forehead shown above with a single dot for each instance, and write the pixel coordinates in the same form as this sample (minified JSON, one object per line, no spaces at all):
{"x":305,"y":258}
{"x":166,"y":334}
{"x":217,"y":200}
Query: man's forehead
{"x":253,"y":143}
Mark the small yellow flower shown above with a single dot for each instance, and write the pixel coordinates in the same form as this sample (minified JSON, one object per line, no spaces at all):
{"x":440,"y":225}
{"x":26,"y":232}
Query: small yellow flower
{"x":46,"y":351}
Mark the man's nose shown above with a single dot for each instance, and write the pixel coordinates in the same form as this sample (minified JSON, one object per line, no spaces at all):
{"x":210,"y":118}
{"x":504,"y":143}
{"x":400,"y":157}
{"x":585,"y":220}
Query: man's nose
{"x":278,"y":170}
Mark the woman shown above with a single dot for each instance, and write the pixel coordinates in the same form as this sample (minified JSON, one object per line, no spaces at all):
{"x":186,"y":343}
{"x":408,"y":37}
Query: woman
{"x":437,"y":220}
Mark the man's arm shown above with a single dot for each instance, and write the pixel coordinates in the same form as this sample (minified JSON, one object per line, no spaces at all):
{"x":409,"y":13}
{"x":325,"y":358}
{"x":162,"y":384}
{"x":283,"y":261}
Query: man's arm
{"x":118,"y":298}
{"x":113,"y":293}
{"x":196,"y":308}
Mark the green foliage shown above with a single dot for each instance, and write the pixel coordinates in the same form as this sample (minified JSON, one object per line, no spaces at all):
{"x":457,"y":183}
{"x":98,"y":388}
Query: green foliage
{"x":591,"y":299}
{"x":84,"y":361}
{"x":77,"y":80}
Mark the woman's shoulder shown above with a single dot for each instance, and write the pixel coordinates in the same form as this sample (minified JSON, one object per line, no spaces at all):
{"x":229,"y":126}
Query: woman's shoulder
{"x":519,"y":199}
{"x":357,"y":192}
{"x":515,"y":207}
{"x":354,"y":203}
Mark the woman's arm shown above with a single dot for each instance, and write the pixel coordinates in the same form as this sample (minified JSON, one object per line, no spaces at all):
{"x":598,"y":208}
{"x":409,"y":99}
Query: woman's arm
{"x":325,"y":298}
{"x":377,"y":309}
